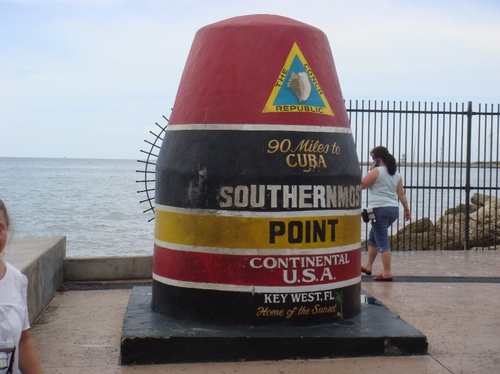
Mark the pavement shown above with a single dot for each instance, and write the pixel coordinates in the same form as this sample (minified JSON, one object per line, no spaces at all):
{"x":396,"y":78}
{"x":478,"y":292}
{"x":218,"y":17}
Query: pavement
{"x":452,"y":297}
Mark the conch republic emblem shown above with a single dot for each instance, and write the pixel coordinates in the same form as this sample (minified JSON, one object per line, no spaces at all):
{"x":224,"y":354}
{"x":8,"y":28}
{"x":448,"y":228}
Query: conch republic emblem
{"x":297,"y":89}
{"x":258,"y":195}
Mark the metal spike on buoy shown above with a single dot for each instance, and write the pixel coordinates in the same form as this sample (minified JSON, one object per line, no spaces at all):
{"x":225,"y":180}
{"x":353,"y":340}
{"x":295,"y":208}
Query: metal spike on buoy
{"x":149,"y":168}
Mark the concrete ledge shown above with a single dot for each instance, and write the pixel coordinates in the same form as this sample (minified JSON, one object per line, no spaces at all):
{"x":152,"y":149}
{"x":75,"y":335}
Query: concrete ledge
{"x":107,"y":268}
{"x":41,"y":260}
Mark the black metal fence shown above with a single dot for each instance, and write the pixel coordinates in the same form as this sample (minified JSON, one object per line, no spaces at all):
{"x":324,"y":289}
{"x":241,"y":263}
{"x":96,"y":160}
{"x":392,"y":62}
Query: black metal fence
{"x":448,"y":155}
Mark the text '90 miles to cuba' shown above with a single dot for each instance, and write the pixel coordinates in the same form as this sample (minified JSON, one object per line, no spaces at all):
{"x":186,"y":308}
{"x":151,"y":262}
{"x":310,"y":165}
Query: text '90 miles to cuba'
{"x":307,"y":154}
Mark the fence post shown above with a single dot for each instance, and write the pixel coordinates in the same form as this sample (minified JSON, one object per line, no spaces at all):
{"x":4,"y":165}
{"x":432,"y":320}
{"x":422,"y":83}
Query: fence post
{"x":467,"y":175}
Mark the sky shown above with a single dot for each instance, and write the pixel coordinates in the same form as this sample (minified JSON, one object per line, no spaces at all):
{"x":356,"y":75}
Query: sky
{"x":91,"y":78}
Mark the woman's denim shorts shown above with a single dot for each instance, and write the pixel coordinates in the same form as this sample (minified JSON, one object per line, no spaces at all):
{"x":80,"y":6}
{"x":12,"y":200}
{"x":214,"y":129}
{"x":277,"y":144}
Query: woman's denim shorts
{"x":379,"y":233}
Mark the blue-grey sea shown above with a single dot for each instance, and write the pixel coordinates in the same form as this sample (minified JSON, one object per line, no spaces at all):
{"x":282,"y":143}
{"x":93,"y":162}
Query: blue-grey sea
{"x":95,"y":203}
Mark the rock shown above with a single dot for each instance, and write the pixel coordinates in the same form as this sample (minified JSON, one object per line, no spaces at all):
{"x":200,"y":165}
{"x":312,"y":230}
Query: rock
{"x":449,"y":231}
{"x":448,"y":221}
{"x":481,"y":199}
{"x":484,"y":235}
{"x":422,"y":225}
{"x":478,"y":199}
{"x":458,"y":209}
{"x":411,"y":241}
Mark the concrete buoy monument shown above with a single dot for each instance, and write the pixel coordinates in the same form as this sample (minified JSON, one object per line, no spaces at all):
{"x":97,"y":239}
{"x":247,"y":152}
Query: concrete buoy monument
{"x":257,"y":211}
{"x":258,"y":196}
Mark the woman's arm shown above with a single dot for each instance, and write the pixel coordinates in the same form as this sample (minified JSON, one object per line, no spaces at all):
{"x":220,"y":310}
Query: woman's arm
{"x":402,"y":197}
{"x":369,"y":178}
{"x":28,"y":358}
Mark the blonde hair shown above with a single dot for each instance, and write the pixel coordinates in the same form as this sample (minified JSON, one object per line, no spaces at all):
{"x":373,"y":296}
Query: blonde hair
{"x":3,"y":209}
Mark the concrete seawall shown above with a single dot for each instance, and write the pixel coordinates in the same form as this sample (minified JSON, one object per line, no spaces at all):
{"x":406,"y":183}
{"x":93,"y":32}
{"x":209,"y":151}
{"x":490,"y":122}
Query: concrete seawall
{"x":43,"y":261}
{"x":107,"y":268}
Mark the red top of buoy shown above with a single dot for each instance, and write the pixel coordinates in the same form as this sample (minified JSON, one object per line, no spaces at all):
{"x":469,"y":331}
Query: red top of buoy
{"x":260,"y":69}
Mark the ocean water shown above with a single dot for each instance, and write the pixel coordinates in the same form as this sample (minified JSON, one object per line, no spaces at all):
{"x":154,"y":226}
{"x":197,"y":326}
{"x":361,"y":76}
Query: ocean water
{"x":94,"y":203}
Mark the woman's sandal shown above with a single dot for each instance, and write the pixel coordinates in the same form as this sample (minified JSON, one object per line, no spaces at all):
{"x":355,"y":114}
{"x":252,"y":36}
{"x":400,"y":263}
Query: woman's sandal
{"x":363,"y":270}
{"x":381,"y":278}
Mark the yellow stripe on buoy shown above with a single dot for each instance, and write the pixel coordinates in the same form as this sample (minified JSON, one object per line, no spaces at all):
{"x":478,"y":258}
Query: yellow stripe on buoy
{"x":252,"y":230}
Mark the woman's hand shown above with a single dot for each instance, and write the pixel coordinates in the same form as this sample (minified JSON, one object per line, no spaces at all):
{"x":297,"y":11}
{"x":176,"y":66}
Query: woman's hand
{"x":407,"y":214}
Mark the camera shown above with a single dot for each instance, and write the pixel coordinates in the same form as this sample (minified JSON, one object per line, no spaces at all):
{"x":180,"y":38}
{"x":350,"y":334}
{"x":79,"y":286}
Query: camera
{"x":368,"y":215}
{"x":371,"y":214}
{"x":7,"y":347}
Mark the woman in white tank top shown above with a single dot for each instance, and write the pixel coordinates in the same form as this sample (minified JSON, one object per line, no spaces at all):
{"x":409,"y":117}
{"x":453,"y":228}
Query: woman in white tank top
{"x":385,"y":189}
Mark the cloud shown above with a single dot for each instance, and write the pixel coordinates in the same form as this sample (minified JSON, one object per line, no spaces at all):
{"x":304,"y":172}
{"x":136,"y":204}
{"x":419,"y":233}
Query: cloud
{"x":75,"y":71}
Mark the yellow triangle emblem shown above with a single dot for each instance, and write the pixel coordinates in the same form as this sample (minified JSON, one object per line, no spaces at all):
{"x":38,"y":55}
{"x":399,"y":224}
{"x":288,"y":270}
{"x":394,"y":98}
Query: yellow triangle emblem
{"x":297,"y":89}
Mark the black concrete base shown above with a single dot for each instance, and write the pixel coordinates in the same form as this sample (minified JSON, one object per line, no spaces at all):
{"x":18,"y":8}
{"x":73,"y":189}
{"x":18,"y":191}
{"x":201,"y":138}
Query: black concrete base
{"x":152,"y":338}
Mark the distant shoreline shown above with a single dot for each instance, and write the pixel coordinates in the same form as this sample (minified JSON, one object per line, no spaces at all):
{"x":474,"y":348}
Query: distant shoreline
{"x":446,"y":164}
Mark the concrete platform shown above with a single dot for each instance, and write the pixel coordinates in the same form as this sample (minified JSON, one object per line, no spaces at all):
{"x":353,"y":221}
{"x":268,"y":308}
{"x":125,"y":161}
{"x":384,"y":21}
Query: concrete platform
{"x":150,"y":338}
{"x":80,"y":331}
